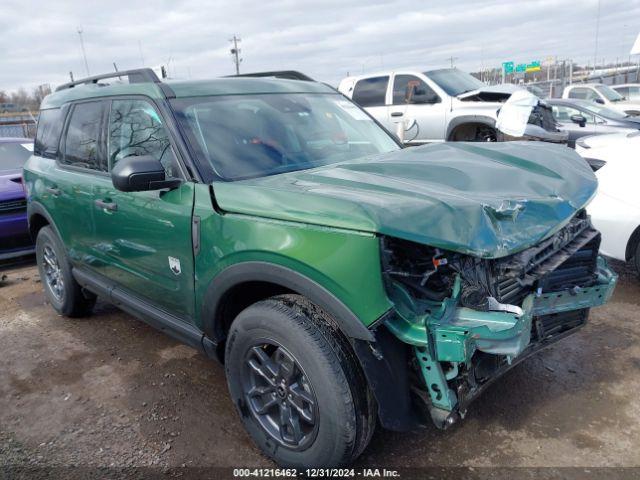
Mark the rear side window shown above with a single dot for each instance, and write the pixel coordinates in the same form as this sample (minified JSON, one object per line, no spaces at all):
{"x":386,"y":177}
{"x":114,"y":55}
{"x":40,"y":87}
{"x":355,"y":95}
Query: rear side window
{"x":82,"y":145}
{"x":583,"y":94}
{"x":371,"y":92}
{"x":48,"y":133}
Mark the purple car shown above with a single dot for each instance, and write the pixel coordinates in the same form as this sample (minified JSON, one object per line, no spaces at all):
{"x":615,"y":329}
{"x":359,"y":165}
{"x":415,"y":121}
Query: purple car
{"x":15,"y":240}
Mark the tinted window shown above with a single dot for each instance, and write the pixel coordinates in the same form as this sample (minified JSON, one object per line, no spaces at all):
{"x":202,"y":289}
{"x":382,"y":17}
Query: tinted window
{"x":82,"y":141}
{"x":583,"y":94}
{"x":48,"y":134}
{"x":246,"y":136}
{"x":408,"y":88}
{"x":135,"y":128}
{"x":13,"y":156}
{"x":371,"y":92}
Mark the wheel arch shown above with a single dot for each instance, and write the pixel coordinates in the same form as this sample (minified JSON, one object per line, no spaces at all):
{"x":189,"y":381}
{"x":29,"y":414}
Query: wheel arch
{"x":243,"y":284}
{"x":632,"y":244}
{"x":38,"y":217}
{"x":463,"y":120}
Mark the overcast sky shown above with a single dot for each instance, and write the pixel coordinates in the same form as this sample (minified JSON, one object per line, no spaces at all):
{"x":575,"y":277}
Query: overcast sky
{"x":39,"y":42}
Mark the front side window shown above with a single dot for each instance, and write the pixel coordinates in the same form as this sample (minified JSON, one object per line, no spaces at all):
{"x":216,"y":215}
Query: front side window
{"x":82,"y":141}
{"x":410,"y":89}
{"x":563,"y":114}
{"x":247,"y":136}
{"x":48,"y":133}
{"x":371,"y":92}
{"x":135,"y":129}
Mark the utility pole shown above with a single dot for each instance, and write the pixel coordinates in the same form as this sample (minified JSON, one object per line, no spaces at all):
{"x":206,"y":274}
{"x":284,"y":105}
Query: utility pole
{"x":235,"y":52}
{"x":451,"y":59}
{"x":84,"y":53}
{"x":595,"y":53}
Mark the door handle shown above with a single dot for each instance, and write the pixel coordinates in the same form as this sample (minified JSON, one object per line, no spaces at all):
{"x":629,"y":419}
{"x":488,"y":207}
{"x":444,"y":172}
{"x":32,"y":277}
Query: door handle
{"x":53,"y":191}
{"x":112,"y":207}
{"x":396,"y":114}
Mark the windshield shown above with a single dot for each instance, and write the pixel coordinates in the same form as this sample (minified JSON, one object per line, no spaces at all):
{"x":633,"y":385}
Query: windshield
{"x":14,"y":155}
{"x":248,"y":136}
{"x":609,"y":93}
{"x":453,"y":81}
{"x":604,"y":111}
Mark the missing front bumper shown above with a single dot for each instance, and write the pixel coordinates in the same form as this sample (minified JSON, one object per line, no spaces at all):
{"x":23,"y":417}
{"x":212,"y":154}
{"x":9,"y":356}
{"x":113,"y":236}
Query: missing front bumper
{"x":461,"y":351}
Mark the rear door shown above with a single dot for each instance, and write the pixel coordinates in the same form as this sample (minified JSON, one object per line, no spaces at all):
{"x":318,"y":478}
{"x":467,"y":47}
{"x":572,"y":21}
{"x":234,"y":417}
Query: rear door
{"x":67,"y":184}
{"x":371,"y":94}
{"x":144,"y":239}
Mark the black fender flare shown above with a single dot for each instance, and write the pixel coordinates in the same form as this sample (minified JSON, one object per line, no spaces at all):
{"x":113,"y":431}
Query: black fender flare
{"x":461,"y":120}
{"x":255,"y":271}
{"x":36,"y":208}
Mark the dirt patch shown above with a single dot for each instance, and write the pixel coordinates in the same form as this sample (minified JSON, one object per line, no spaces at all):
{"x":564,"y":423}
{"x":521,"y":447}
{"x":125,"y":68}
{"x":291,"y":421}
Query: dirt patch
{"x":108,"y":391}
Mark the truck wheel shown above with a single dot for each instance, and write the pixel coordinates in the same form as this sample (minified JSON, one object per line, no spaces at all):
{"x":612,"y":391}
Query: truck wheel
{"x":636,"y":260}
{"x":297,"y":385}
{"x":62,"y":291}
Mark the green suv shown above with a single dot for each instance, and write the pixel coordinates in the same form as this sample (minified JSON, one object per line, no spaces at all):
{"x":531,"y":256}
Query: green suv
{"x":275,"y":226}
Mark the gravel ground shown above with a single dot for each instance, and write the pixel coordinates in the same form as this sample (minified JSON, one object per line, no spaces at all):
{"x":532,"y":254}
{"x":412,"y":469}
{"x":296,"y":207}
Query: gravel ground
{"x":107,"y":393}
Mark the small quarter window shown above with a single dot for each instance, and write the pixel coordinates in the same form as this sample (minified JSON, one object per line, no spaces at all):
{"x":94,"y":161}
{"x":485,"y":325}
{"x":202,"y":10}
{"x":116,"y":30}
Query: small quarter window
{"x":82,"y":141}
{"x":48,"y":133}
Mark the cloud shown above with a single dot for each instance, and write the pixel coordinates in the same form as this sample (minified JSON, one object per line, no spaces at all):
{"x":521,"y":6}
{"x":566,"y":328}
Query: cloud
{"x":39,"y":42}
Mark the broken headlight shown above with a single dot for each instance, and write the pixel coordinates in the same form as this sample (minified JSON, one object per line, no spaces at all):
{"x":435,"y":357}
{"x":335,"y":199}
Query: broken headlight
{"x":429,"y":273}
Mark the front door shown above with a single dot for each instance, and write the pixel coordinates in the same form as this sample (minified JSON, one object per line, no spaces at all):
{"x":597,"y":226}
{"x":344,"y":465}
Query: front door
{"x":143,"y":239}
{"x":413,"y":100}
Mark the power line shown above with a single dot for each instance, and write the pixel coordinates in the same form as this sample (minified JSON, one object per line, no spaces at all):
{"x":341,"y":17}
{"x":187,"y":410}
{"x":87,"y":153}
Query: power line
{"x":235,"y":52}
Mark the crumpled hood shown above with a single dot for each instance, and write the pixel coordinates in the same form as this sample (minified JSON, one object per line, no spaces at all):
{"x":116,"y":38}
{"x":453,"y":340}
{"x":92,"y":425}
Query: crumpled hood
{"x":487,"y":200}
{"x":507,"y":89}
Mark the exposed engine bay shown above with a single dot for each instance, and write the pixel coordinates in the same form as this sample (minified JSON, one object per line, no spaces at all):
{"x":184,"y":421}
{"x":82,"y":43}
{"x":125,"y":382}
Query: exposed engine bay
{"x":482,"y":316}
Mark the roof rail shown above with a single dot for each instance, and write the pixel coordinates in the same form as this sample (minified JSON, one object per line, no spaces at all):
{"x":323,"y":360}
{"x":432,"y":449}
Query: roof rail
{"x":285,"y":74}
{"x":139,"y":75}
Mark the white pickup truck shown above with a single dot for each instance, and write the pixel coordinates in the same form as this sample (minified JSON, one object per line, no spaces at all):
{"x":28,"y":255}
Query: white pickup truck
{"x":444,"y":105}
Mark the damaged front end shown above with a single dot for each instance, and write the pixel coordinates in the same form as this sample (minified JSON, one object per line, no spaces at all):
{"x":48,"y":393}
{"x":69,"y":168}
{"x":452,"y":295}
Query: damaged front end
{"x":470,"y":319}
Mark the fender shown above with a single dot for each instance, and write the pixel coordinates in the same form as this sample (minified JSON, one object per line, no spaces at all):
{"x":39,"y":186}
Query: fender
{"x":33,"y":208}
{"x":461,"y":120}
{"x":284,"y":277}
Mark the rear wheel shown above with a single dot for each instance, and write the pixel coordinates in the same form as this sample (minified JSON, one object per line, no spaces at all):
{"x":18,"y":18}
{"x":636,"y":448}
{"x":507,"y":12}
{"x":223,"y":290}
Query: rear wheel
{"x":297,"y":385}
{"x":63,"y":292}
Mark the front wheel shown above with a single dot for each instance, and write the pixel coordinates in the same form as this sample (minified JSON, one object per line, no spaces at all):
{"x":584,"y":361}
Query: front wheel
{"x":297,"y":385}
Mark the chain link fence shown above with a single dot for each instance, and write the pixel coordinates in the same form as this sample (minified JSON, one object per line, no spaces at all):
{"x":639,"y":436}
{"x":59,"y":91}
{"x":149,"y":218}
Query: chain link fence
{"x":18,"y":126}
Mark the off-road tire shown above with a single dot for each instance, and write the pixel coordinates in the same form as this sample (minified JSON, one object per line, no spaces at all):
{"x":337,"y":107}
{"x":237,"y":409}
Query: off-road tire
{"x":636,"y":260}
{"x":73,"y":301}
{"x":345,"y":405}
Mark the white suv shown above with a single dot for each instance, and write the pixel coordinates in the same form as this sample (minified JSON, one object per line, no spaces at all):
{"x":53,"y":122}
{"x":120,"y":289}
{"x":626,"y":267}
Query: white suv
{"x":446,"y":104}
{"x":602,"y":94}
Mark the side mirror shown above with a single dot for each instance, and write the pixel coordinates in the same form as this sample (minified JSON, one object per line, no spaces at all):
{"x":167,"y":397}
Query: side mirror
{"x":599,"y":100}
{"x":140,"y":174}
{"x":579,"y":119}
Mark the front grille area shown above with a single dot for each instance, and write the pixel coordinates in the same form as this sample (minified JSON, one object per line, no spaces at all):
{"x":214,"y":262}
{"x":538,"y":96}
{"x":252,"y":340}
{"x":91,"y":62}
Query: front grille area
{"x":566,"y":260}
{"x":11,"y":206}
{"x":547,"y":326}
